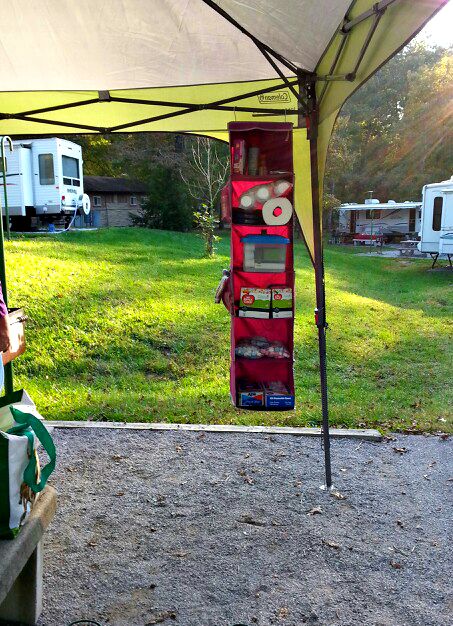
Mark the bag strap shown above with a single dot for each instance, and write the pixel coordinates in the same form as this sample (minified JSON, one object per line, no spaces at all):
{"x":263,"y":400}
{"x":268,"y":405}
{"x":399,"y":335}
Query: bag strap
{"x":25,"y":421}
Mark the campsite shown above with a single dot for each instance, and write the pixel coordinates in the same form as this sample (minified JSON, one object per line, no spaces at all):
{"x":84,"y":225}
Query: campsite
{"x":123,"y":326}
{"x":226,"y":241}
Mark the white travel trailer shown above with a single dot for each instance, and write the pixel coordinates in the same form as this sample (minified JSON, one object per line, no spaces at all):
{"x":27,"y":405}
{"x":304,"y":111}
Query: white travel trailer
{"x":44,"y":180}
{"x":436,"y":230}
{"x":392,"y":219}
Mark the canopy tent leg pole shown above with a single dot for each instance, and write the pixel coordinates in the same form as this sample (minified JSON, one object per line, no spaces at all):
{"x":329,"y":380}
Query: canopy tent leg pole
{"x":9,"y":384}
{"x":318,"y":261}
{"x":5,"y":140}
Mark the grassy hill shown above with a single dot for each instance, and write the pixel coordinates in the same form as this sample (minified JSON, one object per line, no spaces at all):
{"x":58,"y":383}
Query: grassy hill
{"x":122,"y":326}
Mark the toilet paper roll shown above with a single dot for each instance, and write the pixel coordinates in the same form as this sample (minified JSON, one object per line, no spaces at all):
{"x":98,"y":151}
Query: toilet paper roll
{"x":277,"y":211}
{"x":263,"y":193}
{"x":247,"y":200}
{"x":281,"y":187}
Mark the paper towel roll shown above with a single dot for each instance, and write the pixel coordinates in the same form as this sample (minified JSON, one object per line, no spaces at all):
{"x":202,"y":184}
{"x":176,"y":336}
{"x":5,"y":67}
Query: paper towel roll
{"x":277,"y":211}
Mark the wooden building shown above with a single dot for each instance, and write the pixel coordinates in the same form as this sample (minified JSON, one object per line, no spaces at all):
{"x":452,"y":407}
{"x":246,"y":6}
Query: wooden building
{"x":113,"y":200}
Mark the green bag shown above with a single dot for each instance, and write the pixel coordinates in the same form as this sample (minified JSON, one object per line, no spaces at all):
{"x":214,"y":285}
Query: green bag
{"x":21,"y":477}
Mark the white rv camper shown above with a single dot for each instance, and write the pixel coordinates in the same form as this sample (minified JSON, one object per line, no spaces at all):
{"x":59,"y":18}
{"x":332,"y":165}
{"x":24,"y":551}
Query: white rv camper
{"x":44,"y":180}
{"x":436,"y":230}
{"x":392,"y":219}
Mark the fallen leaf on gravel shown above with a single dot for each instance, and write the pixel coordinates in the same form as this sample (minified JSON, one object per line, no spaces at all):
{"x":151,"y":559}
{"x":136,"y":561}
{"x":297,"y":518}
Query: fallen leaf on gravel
{"x":396,"y":565}
{"x":283,"y":613}
{"x":161,"y":617}
{"x":426,"y":477}
{"x":120,"y":493}
{"x":181,"y":554}
{"x":336,"y":494}
{"x":399,"y":523}
{"x":117,"y":457}
{"x":331,"y":544}
{"x":444,"y":436}
{"x":70,"y":469}
{"x":403,"y":552}
{"x":92,"y":544}
{"x":248,"y":519}
{"x":315,"y":510}
{"x":178,"y":448}
{"x":201,"y":436}
{"x":400,"y":450}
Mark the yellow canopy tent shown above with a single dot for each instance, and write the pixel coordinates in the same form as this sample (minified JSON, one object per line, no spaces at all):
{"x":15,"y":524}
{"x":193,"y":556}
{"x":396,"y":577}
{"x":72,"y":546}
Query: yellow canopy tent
{"x":193,"y":66}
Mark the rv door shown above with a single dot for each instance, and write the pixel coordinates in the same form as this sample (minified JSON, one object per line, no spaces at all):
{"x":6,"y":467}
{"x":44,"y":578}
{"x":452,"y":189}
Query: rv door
{"x":432,"y":211}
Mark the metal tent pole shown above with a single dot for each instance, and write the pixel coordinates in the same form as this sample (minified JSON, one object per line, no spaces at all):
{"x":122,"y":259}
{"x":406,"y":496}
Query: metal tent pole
{"x":318,"y":262}
{"x":5,"y":140}
{"x":9,"y":385}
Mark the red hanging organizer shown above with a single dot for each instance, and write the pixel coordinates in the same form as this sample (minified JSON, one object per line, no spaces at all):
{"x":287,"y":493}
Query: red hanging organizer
{"x":259,"y":290}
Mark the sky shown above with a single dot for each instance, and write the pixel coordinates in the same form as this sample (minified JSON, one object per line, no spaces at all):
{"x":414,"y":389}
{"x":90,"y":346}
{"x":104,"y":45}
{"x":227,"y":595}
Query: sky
{"x":440,"y":29}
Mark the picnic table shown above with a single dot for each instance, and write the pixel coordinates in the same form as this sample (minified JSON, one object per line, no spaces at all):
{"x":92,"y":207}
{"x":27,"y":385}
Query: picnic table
{"x":364,"y":239}
{"x":408,"y":247}
{"x":21,"y":563}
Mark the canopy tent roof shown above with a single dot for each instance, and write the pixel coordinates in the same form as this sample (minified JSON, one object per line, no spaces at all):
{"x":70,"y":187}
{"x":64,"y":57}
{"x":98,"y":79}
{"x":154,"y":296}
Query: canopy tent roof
{"x":131,"y":44}
{"x":171,"y":55}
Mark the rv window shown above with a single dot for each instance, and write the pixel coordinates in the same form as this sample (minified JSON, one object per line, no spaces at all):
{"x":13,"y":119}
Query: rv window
{"x":96,"y":200}
{"x":437,"y":212}
{"x":133,"y":201}
{"x":46,"y":171}
{"x":70,"y":167}
{"x":373,"y":214}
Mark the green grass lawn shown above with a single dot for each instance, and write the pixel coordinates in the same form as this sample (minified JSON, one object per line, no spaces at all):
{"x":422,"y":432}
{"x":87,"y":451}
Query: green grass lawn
{"x":122,"y":326}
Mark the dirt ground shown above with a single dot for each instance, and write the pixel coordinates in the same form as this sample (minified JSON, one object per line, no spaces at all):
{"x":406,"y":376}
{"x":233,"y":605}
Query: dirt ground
{"x":212,"y":529}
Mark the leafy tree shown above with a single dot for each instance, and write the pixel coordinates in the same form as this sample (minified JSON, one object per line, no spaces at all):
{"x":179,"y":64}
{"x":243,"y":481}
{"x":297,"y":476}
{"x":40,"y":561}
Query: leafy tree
{"x":205,"y":222}
{"x":167,"y":205}
{"x":97,"y":156}
{"x":393,"y":135}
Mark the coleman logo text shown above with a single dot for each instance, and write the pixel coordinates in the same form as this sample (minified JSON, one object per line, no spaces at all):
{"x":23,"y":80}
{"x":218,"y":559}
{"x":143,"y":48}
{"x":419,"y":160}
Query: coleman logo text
{"x":273,"y":97}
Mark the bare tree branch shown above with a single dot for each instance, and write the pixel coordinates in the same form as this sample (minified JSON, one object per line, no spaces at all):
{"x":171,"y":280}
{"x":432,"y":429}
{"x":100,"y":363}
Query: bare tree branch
{"x":206,"y":172}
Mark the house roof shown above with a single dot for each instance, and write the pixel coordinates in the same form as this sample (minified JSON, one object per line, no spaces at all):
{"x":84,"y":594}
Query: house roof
{"x":109,"y":184}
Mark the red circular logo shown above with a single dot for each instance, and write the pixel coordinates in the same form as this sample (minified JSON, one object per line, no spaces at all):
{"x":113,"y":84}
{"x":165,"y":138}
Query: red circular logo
{"x":248,"y":299}
{"x":278,"y":296}
{"x":277,"y":211}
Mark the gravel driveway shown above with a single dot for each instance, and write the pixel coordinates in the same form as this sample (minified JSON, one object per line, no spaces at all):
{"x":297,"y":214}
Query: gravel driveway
{"x":209,"y":529}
